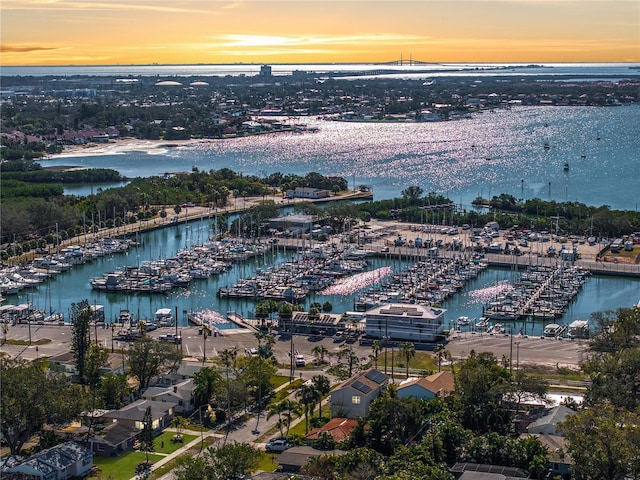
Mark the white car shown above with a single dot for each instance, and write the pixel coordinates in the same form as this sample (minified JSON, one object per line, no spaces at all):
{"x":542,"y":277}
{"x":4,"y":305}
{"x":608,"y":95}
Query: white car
{"x":300,"y":361}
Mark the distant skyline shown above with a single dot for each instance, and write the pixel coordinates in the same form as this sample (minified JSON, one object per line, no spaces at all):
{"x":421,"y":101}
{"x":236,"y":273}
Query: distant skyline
{"x":108,"y":32}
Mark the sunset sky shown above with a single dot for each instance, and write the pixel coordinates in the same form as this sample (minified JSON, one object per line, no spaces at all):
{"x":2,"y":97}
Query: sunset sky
{"x":62,"y":32}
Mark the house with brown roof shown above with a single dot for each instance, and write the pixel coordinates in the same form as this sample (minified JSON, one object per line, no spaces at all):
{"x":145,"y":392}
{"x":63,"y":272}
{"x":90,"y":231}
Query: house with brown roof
{"x":353,"y":397}
{"x":338,"y":428}
{"x":427,"y":388}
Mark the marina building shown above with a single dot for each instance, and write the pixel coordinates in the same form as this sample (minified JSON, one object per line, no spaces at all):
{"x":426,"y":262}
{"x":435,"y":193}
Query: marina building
{"x":404,"y":321}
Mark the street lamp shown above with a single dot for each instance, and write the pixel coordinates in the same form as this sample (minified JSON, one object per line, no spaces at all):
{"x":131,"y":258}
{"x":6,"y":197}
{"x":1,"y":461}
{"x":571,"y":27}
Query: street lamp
{"x":518,"y":356}
{"x":113,"y":327}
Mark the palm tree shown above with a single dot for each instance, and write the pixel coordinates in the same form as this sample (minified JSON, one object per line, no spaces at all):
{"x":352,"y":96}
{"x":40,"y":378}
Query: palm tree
{"x":206,"y":331}
{"x":291,"y":408}
{"x":376,"y":348}
{"x":319,"y":351}
{"x":322,"y":386}
{"x":277,"y":409}
{"x":205,"y":381}
{"x":307,"y":395}
{"x":179,"y":423}
{"x":408,"y":351}
{"x":228,"y":356}
{"x":441,"y":354}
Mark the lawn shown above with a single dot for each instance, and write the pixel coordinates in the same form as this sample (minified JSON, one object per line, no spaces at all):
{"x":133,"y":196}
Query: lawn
{"x":124,"y":466}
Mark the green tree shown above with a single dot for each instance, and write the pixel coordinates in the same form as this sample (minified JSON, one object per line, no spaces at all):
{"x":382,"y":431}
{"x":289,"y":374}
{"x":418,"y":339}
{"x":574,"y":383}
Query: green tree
{"x":441,"y":354}
{"x":145,"y":437}
{"x":206,"y":380}
{"x":408,"y":350}
{"x":80,"y":319}
{"x":320,"y":352}
{"x":603,"y":442}
{"x":31,"y":397}
{"x":227,"y":462}
{"x":113,"y":388}
{"x":376,"y":349}
{"x":480,"y":387}
{"x":308,"y":397}
{"x":347,"y":353}
{"x":322,"y":386}
{"x":148,"y":357}
{"x":412,"y":193}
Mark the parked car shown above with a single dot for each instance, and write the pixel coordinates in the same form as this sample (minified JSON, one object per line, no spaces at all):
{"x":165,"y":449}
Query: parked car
{"x":171,"y":337}
{"x":277,"y":445}
{"x":300,"y":361}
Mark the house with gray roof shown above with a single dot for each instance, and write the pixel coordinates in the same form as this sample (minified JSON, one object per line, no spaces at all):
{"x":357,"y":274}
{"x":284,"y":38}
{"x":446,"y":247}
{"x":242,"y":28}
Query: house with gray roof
{"x":61,"y":462}
{"x":547,"y":421}
{"x":132,"y":415}
{"x":353,"y":397}
{"x":181,"y":395}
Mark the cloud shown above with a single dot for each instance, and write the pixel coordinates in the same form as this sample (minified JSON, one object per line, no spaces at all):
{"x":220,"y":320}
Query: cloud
{"x":242,"y":40}
{"x":14,"y":48}
{"x":165,"y":6}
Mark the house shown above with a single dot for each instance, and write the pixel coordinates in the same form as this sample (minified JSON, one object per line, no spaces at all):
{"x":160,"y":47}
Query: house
{"x":427,"y":388}
{"x":132,"y":415}
{"x":480,"y":471}
{"x":558,"y":460}
{"x":546,"y":421}
{"x":404,"y":321}
{"x":293,"y":459}
{"x":308,"y":192}
{"x":353,"y":397}
{"x":115,"y":439}
{"x":181,"y":395}
{"x":339,"y":429}
{"x":67,"y":460}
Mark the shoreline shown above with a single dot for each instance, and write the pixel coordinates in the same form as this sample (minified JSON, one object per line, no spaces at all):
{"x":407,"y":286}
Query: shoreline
{"x":122,"y":146}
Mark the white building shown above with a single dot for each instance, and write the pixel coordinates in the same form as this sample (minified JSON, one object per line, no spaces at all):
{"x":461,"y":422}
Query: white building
{"x":403,"y":321}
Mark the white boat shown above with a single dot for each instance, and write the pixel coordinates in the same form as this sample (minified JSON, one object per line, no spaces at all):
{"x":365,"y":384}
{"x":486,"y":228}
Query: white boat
{"x":463,"y":321}
{"x":552,"y":330}
{"x":578,"y":329}
{"x":483,"y":324}
{"x":163,"y":317}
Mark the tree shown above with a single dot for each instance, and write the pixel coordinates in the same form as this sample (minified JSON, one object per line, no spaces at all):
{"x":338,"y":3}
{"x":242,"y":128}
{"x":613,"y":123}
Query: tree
{"x":113,"y":388}
{"x":441,"y":354}
{"x":206,"y":381}
{"x":178,"y":422}
{"x":350,"y":356}
{"x":320,"y":351}
{"x":603,"y":442}
{"x":80,"y":319}
{"x":31,"y":397}
{"x":307,"y":396}
{"x":227,"y":462}
{"x":145,"y":437}
{"x":480,"y":387}
{"x":412,"y":192}
{"x":614,"y":362}
{"x":376,"y":348}
{"x":147,"y":357}
{"x":322,"y":386}
{"x":408,"y":352}
{"x":206,"y":331}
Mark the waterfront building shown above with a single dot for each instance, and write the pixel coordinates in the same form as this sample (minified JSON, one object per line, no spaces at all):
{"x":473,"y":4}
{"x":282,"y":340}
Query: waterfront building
{"x":308,"y":192}
{"x":292,"y":223}
{"x":404,"y":321}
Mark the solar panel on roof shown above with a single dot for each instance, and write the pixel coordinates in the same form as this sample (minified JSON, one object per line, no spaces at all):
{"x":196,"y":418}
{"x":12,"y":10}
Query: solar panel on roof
{"x":358,"y":385}
{"x":375,"y":376}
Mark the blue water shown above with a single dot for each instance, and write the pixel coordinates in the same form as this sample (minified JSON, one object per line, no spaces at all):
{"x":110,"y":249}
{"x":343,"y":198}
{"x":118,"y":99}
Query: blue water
{"x":488,"y":154}
{"x":602,"y":70}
